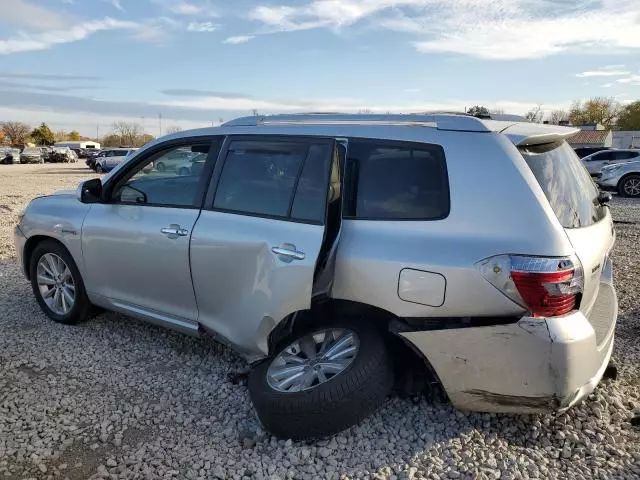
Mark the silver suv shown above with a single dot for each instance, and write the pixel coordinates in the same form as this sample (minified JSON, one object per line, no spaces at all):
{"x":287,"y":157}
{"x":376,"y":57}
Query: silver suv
{"x":346,"y":255}
{"x":623,"y":178}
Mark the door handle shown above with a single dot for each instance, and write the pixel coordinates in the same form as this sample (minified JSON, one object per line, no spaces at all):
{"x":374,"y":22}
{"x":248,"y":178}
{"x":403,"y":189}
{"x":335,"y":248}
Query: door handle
{"x":174,"y":231}
{"x":287,"y":252}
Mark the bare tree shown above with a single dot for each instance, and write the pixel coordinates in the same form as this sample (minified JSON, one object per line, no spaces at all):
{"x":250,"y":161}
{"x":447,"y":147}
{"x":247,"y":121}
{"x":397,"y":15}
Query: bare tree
{"x":496,"y":111}
{"x":535,"y":114}
{"x":173,"y":129}
{"x":254,"y":112}
{"x":557,"y":116}
{"x":129,"y":132}
{"x":16,"y":133}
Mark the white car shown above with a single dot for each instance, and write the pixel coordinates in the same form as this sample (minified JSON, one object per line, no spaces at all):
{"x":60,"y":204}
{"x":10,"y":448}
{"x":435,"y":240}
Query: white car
{"x":596,"y":161}
{"x":107,"y":160}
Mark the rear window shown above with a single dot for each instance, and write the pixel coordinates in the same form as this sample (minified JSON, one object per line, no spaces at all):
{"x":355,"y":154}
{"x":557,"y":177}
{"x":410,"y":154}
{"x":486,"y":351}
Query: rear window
{"x":396,"y":181}
{"x":567,"y":184}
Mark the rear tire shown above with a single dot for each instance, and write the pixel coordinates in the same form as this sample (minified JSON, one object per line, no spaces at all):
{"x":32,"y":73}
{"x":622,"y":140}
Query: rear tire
{"x":335,"y":404}
{"x":81,"y":308}
{"x":98,"y":168}
{"x":629,"y":186}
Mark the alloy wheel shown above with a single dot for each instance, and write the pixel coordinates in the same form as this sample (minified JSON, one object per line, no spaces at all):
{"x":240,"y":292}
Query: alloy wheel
{"x":56,"y":284}
{"x":632,"y":186}
{"x":313,"y":360}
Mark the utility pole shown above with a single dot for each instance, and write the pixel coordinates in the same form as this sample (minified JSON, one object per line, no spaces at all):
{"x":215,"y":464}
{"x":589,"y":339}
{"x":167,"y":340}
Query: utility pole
{"x":97,"y":132}
{"x":160,"y":121}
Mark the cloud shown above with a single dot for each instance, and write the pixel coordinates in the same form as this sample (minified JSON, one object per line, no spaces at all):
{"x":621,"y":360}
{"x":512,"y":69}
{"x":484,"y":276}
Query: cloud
{"x":44,"y":88}
{"x":238,"y":39}
{"x":45,"y":76}
{"x":201,"y":27}
{"x":116,"y":4}
{"x":490,"y":29}
{"x":188,"y":92}
{"x":23,"y":13}
{"x":630,"y":80}
{"x":25,"y":42}
{"x":608,"y":85}
{"x":186,"y":8}
{"x":608,"y":71}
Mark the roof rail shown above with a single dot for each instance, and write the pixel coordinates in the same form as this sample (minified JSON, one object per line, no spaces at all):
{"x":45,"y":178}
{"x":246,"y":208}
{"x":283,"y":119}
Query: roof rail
{"x":447,"y":121}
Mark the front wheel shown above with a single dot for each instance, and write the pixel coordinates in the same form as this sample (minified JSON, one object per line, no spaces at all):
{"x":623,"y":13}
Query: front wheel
{"x":324,"y":380}
{"x":630,"y":186}
{"x":99,"y":168}
{"x":57,"y":284}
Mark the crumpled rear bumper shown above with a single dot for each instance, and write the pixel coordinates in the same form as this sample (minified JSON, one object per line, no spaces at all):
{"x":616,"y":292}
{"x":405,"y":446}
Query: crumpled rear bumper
{"x":532,"y":366}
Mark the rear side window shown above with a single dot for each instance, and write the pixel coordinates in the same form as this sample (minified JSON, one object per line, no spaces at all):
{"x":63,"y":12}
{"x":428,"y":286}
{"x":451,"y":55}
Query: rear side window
{"x":260,"y":177}
{"x":566,"y":183}
{"x":397,"y":181}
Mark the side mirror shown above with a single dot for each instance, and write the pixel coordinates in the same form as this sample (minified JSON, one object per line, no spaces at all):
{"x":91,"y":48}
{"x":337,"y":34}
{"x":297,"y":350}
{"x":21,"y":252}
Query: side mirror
{"x":90,"y":191}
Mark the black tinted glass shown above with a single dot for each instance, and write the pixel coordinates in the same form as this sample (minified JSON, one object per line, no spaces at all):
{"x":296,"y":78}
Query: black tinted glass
{"x":566,"y":183}
{"x":399,"y":181}
{"x":311,"y":197}
{"x":259,"y":177}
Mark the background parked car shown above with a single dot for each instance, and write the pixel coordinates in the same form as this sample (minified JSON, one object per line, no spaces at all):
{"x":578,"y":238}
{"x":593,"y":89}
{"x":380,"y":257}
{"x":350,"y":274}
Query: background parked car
{"x":32,"y":155}
{"x":9,"y":156}
{"x":171,"y":162}
{"x":623,"y":178}
{"x":62,"y":155}
{"x":596,"y":161}
{"x":193,"y":166}
{"x":109,"y":159}
{"x":584,"y":151}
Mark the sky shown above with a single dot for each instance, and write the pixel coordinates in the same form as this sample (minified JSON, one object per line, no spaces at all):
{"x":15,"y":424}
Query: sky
{"x":85,"y":64}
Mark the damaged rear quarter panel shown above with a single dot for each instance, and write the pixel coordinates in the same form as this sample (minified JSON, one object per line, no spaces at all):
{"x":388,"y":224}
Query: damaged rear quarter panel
{"x":493,"y":368}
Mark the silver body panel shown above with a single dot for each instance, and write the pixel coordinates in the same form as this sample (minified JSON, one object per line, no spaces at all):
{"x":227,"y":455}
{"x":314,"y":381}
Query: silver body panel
{"x":611,"y":177}
{"x":226,"y":274}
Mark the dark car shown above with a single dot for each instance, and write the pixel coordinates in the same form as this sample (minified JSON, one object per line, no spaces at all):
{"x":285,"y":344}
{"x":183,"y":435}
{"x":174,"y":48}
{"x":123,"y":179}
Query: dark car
{"x":584,"y":151}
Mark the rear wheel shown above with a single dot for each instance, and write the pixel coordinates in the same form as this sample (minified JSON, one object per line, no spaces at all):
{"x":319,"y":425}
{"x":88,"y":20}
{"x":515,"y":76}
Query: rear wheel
{"x":323,"y":380}
{"x":99,"y":168}
{"x":630,"y":186}
{"x":57,"y":284}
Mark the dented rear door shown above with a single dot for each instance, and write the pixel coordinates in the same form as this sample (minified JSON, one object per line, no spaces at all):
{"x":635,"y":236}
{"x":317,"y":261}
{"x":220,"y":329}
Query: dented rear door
{"x":255,"y":246}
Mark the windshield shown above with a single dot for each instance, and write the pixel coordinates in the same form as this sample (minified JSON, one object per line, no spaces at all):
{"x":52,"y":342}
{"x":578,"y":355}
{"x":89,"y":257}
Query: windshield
{"x":566,"y":182}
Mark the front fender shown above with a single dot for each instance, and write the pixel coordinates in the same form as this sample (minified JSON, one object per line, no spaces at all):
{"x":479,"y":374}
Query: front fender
{"x":59,"y":217}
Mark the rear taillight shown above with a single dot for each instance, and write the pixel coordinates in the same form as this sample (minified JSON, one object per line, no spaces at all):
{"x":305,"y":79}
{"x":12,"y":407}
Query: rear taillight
{"x":547,"y":287}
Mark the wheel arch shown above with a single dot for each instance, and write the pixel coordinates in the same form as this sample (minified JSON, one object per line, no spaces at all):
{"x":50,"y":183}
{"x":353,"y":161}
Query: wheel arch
{"x":418,"y":377}
{"x":624,"y":177}
{"x":31,"y":244}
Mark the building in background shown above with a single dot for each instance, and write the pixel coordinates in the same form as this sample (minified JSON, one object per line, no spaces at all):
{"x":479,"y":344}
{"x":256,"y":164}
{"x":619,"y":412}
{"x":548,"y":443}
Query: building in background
{"x":75,"y":145}
{"x":626,"y":139}
{"x":592,"y":135}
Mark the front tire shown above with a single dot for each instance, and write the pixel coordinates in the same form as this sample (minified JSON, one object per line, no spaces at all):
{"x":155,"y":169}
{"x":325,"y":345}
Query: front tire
{"x":57,"y":284}
{"x":356,"y":381}
{"x":630,"y":186}
{"x":99,"y":168}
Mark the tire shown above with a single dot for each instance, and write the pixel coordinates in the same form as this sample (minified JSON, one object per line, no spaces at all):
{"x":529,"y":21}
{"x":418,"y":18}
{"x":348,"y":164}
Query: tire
{"x":98,"y":168}
{"x":161,"y":167}
{"x":183,"y":172}
{"x":626,"y":189}
{"x":81,"y":307}
{"x":330,"y":407}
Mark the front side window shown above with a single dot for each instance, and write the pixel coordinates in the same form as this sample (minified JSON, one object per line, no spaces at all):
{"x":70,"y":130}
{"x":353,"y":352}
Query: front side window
{"x":566,"y":183}
{"x":180,"y":187}
{"x":397,"y":181}
{"x":260,"y":177}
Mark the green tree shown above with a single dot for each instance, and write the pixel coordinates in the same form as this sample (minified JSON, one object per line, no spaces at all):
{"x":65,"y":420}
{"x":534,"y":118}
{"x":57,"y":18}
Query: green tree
{"x":600,"y":110}
{"x":479,"y":111}
{"x":43,"y":135}
{"x":629,"y":117}
{"x":74,"y":136}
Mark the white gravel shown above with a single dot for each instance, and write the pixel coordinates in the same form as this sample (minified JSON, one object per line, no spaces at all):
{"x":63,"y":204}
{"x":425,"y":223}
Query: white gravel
{"x":117,"y":398}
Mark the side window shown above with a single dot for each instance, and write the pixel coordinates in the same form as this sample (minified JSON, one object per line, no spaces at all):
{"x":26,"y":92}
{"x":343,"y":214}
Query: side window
{"x":260,"y":176}
{"x":179,"y":187}
{"x":602,"y":156}
{"x":311,"y":195}
{"x":398,"y":181}
{"x":624,"y":155}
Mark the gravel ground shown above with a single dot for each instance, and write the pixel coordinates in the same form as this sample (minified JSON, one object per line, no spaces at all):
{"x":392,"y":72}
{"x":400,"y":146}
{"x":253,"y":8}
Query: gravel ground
{"x":117,"y":398}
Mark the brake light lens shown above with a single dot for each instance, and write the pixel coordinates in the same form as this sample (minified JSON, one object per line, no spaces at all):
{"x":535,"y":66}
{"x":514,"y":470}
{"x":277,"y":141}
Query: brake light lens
{"x":547,"y":287}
